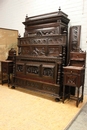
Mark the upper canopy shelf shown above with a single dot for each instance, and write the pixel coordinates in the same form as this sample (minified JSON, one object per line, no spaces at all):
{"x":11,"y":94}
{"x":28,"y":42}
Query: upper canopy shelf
{"x":47,"y":18}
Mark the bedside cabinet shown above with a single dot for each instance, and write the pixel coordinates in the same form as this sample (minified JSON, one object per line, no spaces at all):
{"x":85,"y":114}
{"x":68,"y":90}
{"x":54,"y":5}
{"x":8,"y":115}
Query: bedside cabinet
{"x":6,"y":68}
{"x":73,"y":77}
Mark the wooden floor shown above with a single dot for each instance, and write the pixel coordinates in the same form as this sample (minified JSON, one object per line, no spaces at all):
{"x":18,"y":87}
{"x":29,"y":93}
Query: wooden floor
{"x":22,"y":109}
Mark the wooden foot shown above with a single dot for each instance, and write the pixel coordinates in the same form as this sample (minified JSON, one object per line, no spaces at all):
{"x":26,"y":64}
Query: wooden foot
{"x":13,"y":87}
{"x":57,"y":99}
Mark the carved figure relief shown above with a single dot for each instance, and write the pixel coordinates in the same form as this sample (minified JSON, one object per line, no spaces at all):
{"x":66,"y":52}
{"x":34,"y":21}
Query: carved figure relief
{"x":32,"y":69}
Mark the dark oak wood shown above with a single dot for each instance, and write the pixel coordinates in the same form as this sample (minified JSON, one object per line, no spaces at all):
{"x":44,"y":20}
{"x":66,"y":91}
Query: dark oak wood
{"x":6,"y":68}
{"x":74,"y":76}
{"x":74,"y":39}
{"x":42,"y":53}
{"x":11,"y":54}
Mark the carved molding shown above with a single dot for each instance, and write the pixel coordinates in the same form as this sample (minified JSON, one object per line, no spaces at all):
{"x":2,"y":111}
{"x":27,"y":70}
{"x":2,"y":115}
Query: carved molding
{"x":48,"y":40}
{"x":37,"y":85}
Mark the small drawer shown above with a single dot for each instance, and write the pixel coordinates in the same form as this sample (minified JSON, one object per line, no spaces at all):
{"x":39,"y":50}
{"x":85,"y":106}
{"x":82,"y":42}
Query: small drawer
{"x":71,"y":71}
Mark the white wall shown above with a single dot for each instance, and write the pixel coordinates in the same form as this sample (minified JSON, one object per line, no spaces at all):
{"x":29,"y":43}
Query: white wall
{"x":13,"y":12}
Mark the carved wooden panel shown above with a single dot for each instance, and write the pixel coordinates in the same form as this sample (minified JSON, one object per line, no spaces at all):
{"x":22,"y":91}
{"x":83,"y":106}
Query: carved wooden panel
{"x":25,"y":50}
{"x":48,"y":70}
{"x":48,"y":31}
{"x":43,"y":32}
{"x":51,"y":39}
{"x":78,"y":58}
{"x":33,"y":69}
{"x":38,"y":51}
{"x":37,"y":86}
{"x":20,"y":67}
{"x":57,"y":40}
{"x":38,"y":41}
{"x":54,"y":51}
{"x":42,"y":50}
{"x":75,"y":38}
{"x":73,"y":76}
{"x":71,"y":79}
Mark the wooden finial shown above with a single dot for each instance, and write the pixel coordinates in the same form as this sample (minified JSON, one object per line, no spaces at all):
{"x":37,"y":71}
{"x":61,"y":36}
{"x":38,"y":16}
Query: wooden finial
{"x":59,"y":8}
{"x":26,"y":17}
{"x":19,"y":35}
